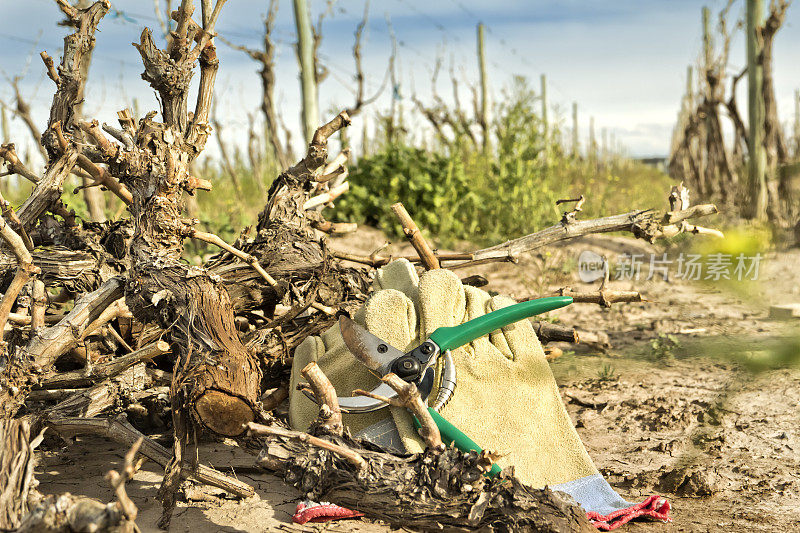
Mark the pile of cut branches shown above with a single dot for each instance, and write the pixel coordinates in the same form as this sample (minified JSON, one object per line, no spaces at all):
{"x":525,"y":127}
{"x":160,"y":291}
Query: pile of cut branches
{"x":106,"y":331}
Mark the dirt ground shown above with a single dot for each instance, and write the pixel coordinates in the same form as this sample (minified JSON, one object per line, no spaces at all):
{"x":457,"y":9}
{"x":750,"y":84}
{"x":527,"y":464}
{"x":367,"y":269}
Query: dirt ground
{"x":677,"y":419}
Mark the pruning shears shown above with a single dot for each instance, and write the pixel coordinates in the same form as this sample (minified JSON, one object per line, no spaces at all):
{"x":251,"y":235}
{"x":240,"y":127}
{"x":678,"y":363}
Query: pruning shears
{"x":418,"y":365}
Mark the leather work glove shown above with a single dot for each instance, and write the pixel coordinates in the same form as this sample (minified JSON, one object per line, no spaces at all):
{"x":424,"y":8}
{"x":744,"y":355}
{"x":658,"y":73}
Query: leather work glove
{"x":506,"y":398}
{"x":388,"y":313}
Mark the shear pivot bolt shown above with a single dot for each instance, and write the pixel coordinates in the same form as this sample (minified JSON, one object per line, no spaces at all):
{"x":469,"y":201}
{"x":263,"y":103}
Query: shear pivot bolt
{"x":426,"y":348}
{"x":406,"y":367}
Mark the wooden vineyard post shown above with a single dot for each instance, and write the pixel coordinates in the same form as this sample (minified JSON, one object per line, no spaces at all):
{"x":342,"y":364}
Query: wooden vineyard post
{"x":575,"y":148}
{"x":484,"y":109}
{"x":757,"y":157}
{"x":305,"y":55}
{"x":708,"y":175}
{"x":6,"y":136}
{"x":796,"y":134}
{"x":707,"y":39}
{"x":364,"y":140}
{"x":612,"y":143}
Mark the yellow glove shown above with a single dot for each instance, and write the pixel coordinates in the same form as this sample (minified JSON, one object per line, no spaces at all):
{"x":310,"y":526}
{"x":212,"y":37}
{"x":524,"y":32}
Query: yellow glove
{"x":389,"y":314}
{"x":506,"y":398}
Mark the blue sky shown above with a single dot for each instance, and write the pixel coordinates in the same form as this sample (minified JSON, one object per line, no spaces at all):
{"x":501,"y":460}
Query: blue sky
{"x":624,"y":62}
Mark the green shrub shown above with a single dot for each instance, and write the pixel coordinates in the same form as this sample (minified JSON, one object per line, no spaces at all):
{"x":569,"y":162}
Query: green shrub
{"x":455,"y":191}
{"x":426,"y":182}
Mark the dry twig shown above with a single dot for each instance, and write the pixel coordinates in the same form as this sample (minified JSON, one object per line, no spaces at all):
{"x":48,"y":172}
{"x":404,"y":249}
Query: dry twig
{"x":415,"y":237}
{"x":25,"y":270}
{"x":99,"y":372}
{"x":250,"y":260}
{"x":117,"y":480}
{"x":603,"y":297}
{"x":327,"y":197}
{"x":335,"y":227}
{"x":376,"y":260}
{"x":99,"y":174}
{"x":38,"y":305}
{"x":260,"y":430}
{"x":16,"y":223}
{"x":9,"y":155}
{"x":577,"y":208}
{"x":408,"y":396}
{"x":119,"y":430}
{"x":330,"y":416}
{"x":275,"y":398}
{"x":50,"y":343}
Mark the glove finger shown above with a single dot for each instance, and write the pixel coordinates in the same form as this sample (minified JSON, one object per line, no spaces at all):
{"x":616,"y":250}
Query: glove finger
{"x":476,"y":360}
{"x":390,"y":315}
{"x":399,"y":275}
{"x":442,"y":301}
{"x":405,"y":427}
{"x":303,"y":411}
{"x":341,"y":367}
{"x":309,"y":350}
{"x":332,"y":339}
{"x":477,"y":305}
{"x":518,"y":340}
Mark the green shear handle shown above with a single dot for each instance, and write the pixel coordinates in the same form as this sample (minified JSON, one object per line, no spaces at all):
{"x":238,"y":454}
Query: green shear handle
{"x":452,"y":337}
{"x":449,"y":338}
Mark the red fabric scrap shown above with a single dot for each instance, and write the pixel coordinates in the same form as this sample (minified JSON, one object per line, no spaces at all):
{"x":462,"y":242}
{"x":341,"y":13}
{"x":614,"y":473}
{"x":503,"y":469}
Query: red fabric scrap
{"x":654,"y":507}
{"x":310,"y":511}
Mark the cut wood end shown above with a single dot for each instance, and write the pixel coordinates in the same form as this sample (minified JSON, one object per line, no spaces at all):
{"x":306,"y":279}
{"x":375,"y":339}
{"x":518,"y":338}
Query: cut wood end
{"x":552,"y":353}
{"x":487,"y":458}
{"x":193,"y":182}
{"x":162,"y":346}
{"x":223,"y":413}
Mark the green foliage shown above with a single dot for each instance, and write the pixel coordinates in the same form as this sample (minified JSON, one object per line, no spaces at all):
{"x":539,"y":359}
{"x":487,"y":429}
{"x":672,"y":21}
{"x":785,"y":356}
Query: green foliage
{"x":455,"y":191}
{"x":426,"y":182}
{"x":607,"y":373}
{"x":225,"y":212}
{"x":663,"y":347}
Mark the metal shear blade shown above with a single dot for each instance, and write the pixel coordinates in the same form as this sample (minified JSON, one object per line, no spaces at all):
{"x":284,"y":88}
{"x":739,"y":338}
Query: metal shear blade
{"x":373,"y":352}
{"x":365,"y":404}
{"x":379,"y":356}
